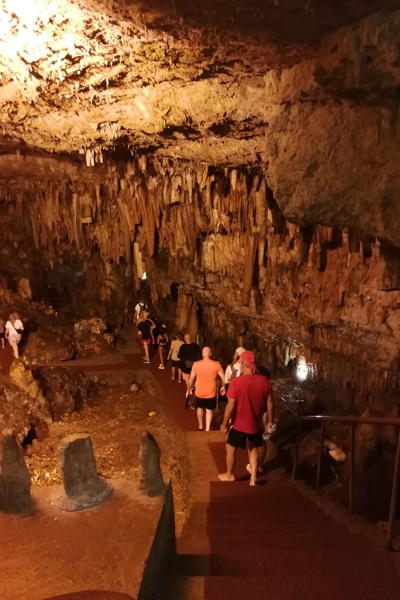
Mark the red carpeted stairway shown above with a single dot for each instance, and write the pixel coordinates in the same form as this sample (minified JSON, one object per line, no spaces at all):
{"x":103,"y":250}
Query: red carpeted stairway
{"x":274,"y":542}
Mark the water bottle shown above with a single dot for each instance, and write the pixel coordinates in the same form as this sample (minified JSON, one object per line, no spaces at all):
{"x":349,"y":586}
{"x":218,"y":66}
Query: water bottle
{"x":267,"y":435}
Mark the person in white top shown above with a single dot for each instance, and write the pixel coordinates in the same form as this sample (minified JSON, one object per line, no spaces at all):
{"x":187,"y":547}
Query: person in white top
{"x":235,"y":368}
{"x":140,"y":307}
{"x":14,"y":329}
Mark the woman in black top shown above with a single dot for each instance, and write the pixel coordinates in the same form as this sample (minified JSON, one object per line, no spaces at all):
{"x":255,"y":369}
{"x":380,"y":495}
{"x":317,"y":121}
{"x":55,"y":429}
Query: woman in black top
{"x":145,"y":330}
{"x":162,"y":342}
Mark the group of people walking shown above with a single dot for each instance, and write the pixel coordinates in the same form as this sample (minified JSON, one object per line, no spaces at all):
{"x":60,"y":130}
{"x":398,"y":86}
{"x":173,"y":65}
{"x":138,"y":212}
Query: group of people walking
{"x":249,"y":411}
{"x":11,"y":330}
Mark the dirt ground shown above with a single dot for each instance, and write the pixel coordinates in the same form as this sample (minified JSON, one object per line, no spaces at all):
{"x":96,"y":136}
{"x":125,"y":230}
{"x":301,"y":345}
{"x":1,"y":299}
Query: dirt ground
{"x":53,"y":552}
{"x":116,"y":418}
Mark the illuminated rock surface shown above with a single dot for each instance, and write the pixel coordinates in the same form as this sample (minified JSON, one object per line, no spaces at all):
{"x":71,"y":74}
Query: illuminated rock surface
{"x":244,"y":155}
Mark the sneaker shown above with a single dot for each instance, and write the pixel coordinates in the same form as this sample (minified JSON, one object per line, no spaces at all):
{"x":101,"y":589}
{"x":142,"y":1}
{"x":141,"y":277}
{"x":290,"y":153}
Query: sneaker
{"x":260,"y":470}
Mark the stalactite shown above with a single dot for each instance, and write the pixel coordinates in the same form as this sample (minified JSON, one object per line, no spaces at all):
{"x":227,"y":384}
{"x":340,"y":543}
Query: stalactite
{"x":261,"y":220}
{"x":251,"y":242}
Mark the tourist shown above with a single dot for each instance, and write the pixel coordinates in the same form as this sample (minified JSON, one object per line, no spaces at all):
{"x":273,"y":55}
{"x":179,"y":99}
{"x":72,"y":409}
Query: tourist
{"x":145,"y":330}
{"x":162,"y":341}
{"x":2,"y":332}
{"x":235,"y":368}
{"x":140,"y":307}
{"x":188,"y":353}
{"x":205,"y":373}
{"x":248,"y":399}
{"x":173,"y":355}
{"x":14,"y":329}
{"x":262,"y":451}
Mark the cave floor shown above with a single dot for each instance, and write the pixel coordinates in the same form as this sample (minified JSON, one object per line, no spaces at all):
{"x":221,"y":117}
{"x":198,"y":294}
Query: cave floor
{"x":53,"y":552}
{"x":272,"y":541}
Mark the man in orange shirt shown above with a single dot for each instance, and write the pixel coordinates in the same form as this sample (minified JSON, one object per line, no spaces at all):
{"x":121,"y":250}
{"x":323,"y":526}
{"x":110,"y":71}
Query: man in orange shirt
{"x":205,"y":373}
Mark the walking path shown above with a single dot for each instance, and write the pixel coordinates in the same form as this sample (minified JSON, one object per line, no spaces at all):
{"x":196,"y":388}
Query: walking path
{"x":271,"y":541}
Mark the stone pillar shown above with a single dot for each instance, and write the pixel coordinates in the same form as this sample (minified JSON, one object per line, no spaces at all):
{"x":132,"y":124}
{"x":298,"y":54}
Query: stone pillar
{"x":151,"y":479}
{"x":83,"y":487}
{"x":15,"y":481}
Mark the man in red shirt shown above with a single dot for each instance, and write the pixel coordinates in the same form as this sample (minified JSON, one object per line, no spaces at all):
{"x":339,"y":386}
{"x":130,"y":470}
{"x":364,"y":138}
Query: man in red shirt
{"x":205,"y":373}
{"x":249,"y":398}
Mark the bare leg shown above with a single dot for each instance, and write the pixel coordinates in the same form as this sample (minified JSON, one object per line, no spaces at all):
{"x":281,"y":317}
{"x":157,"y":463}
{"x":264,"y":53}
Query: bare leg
{"x":262,"y":453}
{"x":253,"y":460}
{"x":173,"y":373}
{"x":3,"y":345}
{"x":161,"y":355}
{"x":146,"y":350}
{"x":230,"y":464}
{"x":209,"y":416}
{"x":179,"y":376}
{"x":200,"y":413}
{"x":14,"y":346}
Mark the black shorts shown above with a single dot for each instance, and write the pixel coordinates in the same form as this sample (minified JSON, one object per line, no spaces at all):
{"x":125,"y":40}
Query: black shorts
{"x":209,"y":403}
{"x":238,"y":439}
{"x":176,"y":363}
{"x":2,"y":336}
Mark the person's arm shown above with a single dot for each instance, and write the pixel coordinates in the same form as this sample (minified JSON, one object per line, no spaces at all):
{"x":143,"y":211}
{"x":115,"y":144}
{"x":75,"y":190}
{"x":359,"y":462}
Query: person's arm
{"x":230,"y":407}
{"x":170,"y":352}
{"x":190,"y":383}
{"x":227,"y":375}
{"x":222,"y":377}
{"x":152,"y":326}
{"x":7,"y":333}
{"x":158,"y":339}
{"x":22,"y":326}
{"x":270,"y":411}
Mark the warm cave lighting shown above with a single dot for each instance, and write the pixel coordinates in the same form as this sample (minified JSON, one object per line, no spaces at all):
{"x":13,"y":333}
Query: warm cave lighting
{"x":302,"y":371}
{"x":144,"y":276}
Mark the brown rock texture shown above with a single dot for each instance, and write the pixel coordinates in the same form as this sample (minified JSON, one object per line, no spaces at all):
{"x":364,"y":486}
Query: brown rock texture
{"x":247,"y":165}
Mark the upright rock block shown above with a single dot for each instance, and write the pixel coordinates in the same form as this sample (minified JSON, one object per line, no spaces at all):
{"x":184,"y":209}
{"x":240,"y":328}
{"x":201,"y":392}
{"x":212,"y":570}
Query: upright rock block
{"x":151,"y":480}
{"x":84,"y":488}
{"x":15,"y":481}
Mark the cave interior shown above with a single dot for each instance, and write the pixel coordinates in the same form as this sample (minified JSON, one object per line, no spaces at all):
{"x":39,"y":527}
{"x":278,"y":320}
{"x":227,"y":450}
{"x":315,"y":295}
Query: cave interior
{"x":234,"y":162}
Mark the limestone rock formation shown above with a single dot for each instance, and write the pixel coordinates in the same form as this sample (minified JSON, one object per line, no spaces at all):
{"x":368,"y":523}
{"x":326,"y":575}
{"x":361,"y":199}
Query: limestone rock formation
{"x":83,"y":487}
{"x":15,"y":481}
{"x":33,"y":399}
{"x":151,"y":481}
{"x":65,"y":389}
{"x":239,"y":169}
{"x":44,"y":347}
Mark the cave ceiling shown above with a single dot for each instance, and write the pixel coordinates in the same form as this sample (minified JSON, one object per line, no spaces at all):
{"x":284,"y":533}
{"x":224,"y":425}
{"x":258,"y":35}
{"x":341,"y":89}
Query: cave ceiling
{"x":189,"y":79}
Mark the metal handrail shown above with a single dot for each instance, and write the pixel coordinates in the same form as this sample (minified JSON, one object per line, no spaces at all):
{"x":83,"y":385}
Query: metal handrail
{"x":353,"y":421}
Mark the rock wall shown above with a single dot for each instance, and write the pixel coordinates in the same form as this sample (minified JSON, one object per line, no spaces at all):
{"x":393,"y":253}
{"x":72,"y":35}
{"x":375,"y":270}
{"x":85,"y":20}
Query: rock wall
{"x":267,"y":216}
{"x":222,"y":260}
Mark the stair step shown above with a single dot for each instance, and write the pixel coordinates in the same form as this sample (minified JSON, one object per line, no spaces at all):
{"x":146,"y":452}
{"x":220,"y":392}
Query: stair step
{"x":269,"y":518}
{"x":310,"y":541}
{"x":265,"y":500}
{"x":268,"y":529}
{"x":310,"y":564}
{"x":256,"y":588}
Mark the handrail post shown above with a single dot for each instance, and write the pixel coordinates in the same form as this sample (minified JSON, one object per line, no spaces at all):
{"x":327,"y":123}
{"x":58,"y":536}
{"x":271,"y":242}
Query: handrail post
{"x":351,"y":467}
{"x":296,"y":450}
{"x":393,"y":500}
{"x":321,"y":448}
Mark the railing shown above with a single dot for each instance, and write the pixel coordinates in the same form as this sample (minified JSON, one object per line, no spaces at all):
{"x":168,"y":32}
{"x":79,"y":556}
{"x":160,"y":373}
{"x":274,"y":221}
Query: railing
{"x":353,"y":422}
